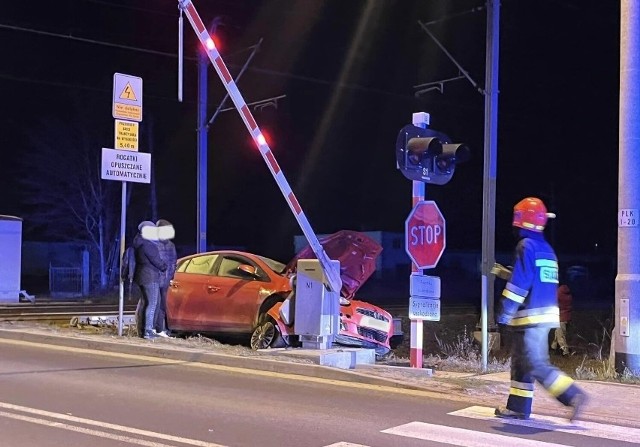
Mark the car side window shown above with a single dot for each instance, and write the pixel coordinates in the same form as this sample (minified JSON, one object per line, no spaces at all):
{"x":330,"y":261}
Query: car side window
{"x":229,"y":269}
{"x":202,"y":265}
{"x":182,"y":265}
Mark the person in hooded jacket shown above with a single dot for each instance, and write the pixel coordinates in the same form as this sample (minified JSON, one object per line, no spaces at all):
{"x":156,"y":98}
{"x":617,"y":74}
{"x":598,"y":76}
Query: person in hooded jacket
{"x":167,"y":250}
{"x":560,"y":335}
{"x":148,"y":274}
{"x":529,"y":308}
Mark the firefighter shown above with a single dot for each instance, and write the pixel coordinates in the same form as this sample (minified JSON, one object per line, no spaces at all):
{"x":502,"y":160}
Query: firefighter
{"x":529,"y":308}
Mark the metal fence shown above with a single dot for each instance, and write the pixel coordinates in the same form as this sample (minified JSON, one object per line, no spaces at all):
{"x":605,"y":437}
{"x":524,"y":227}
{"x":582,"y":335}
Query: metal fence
{"x":65,"y":282}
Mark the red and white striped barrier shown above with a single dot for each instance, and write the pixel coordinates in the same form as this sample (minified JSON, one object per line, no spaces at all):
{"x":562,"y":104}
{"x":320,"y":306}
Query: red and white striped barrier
{"x":261,"y":142}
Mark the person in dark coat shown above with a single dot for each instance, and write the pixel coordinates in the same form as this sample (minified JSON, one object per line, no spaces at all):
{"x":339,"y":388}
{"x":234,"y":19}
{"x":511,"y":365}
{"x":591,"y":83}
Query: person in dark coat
{"x":167,"y":250}
{"x":148,"y":273}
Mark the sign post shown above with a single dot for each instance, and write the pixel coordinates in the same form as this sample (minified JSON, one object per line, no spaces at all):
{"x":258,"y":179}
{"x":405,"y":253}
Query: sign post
{"x":425,"y":241}
{"x":120,"y":164}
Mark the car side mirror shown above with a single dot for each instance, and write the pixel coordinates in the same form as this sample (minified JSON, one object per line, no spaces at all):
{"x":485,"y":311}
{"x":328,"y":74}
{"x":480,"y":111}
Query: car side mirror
{"x":248,"y":269}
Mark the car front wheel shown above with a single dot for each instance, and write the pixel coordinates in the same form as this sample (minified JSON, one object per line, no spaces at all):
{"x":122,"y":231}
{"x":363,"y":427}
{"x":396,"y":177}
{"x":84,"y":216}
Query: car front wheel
{"x":266,"y":335}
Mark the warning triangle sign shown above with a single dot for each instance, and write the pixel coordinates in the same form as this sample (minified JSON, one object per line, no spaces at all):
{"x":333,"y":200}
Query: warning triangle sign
{"x":128,"y":93}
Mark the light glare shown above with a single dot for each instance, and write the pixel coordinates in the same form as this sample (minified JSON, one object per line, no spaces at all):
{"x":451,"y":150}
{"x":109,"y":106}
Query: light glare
{"x":261,"y":140}
{"x":210,"y":44}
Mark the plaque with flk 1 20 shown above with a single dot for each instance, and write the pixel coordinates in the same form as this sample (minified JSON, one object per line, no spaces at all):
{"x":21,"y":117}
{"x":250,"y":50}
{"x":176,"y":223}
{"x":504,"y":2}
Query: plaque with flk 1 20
{"x":424,"y":308}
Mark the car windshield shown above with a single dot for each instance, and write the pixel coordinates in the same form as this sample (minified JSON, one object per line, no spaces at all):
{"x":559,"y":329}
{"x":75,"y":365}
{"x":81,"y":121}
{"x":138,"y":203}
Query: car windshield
{"x":276,"y":266}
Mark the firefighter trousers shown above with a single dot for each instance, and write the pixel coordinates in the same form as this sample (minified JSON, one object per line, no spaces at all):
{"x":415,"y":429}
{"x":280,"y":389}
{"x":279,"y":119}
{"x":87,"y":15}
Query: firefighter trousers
{"x":530,"y":362}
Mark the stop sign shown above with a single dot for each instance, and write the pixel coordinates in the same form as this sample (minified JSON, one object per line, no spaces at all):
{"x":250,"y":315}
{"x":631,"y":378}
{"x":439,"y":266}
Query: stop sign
{"x":425,"y":234}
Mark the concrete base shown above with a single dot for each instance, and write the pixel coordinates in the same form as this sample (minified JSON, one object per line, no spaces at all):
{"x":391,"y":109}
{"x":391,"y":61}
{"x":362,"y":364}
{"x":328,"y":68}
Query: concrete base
{"x":344,"y":358}
{"x":493,"y":338}
{"x":322,"y":342}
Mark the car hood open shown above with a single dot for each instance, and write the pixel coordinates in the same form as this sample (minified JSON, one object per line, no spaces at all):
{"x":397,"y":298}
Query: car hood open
{"x":356,"y":252}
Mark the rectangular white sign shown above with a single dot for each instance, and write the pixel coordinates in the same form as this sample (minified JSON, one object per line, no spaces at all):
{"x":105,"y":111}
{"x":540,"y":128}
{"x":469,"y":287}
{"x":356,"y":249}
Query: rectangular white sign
{"x":424,"y":285}
{"x":126,"y":166}
{"x":424,"y":308}
{"x":628,"y":217}
{"x":624,"y":317}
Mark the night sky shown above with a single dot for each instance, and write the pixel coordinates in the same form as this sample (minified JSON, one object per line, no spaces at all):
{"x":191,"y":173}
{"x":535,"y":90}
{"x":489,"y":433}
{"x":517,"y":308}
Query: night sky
{"x":348,"y":70}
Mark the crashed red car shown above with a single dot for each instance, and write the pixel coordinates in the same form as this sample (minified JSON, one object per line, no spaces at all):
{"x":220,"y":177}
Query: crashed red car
{"x":234,"y":292}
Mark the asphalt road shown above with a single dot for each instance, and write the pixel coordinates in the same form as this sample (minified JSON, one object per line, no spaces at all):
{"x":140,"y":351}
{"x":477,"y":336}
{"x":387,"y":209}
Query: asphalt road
{"x":58,"y":396}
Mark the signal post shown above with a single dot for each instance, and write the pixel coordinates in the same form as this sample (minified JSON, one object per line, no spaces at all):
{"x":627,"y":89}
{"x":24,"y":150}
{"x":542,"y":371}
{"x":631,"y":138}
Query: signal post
{"x":425,"y":156}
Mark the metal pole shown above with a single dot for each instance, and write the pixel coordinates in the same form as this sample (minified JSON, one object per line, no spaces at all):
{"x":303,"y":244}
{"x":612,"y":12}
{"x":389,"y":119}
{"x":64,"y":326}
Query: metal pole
{"x":201,"y":237}
{"x":180,"y":54}
{"x":123,"y":224}
{"x":489,"y":181}
{"x":417,"y":326}
{"x":626,"y":337}
{"x":203,"y":129}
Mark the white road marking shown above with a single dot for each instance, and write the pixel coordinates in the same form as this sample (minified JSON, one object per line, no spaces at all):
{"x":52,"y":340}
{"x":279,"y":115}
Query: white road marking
{"x":462,"y":437}
{"x":346,"y":444}
{"x":98,"y":424}
{"x":556,"y":424}
{"x":255,"y":372}
{"x":86,"y":431}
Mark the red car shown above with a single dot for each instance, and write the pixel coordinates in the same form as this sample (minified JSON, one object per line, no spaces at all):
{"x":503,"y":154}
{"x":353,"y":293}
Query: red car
{"x":233,"y":292}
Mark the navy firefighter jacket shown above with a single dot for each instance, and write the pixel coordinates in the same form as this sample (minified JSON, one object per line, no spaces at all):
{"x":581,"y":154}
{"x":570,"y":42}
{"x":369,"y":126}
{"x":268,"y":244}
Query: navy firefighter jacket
{"x":529,"y":298}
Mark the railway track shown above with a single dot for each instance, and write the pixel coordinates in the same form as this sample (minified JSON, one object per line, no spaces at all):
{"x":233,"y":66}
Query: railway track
{"x":59,"y":312}
{"x":62,"y":312}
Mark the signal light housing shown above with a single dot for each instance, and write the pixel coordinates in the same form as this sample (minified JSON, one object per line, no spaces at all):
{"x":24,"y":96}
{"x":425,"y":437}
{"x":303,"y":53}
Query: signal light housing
{"x":427,"y":155}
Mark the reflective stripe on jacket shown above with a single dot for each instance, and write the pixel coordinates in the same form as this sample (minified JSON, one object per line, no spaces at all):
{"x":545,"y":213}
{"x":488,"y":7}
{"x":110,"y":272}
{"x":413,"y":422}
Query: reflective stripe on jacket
{"x":529,"y":298}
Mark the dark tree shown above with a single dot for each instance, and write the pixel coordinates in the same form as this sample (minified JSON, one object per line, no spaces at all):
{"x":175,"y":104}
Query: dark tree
{"x":62,"y":193}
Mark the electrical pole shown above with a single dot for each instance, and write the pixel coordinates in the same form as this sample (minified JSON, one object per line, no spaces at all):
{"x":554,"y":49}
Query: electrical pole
{"x":201,"y":231}
{"x":626,"y":337}
{"x":203,"y":129}
{"x":487,"y":317}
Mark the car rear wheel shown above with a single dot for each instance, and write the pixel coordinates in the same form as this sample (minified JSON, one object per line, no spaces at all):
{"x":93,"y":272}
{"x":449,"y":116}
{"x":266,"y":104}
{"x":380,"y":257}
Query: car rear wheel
{"x":266,"y":335}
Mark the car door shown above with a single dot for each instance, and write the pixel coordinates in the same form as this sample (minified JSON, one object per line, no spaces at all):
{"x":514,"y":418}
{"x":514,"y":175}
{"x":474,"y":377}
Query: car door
{"x":189,"y":300}
{"x":241,"y":293}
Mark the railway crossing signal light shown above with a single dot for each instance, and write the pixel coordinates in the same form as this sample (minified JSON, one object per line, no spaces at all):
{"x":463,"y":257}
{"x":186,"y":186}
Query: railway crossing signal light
{"x":427,"y":155}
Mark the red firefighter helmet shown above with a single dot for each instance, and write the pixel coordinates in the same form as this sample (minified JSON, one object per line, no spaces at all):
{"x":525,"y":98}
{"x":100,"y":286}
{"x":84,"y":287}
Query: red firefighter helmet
{"x":531,"y":214}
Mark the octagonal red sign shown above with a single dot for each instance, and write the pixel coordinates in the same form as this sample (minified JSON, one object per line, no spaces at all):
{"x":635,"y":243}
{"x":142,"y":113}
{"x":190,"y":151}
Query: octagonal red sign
{"x":425,"y":237}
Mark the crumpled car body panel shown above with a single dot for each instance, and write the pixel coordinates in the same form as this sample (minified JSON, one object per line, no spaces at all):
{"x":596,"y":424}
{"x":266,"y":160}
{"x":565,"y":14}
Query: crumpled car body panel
{"x":356,"y":252}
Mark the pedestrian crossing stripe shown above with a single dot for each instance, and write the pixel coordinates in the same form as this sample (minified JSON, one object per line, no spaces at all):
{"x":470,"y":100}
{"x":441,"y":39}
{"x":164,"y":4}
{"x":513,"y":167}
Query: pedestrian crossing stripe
{"x":462,"y":437}
{"x":556,"y":424}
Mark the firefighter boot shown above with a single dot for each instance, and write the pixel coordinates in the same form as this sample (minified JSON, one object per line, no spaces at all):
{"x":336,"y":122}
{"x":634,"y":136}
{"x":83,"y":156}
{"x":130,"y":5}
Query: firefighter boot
{"x":577,"y":405}
{"x":505,"y":413}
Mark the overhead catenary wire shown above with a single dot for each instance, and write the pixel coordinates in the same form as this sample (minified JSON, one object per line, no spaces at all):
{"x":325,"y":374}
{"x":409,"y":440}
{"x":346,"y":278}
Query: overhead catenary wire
{"x":263,"y":71}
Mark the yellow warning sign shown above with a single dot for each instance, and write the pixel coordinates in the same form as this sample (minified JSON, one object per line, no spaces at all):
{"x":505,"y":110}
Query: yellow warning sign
{"x":128,"y":93}
{"x":127,"y":111}
{"x":127,"y":97}
{"x":126,"y":135}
